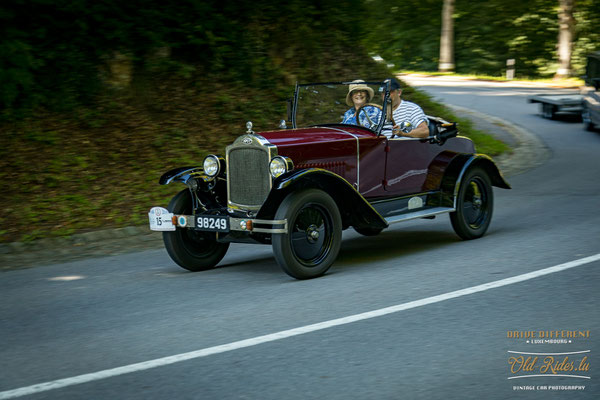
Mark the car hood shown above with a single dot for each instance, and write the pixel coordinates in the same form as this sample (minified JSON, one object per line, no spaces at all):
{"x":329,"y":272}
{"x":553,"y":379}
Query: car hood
{"x":314,"y":135}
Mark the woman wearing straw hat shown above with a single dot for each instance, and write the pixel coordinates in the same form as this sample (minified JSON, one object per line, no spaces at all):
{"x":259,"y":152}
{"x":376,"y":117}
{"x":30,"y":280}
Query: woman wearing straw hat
{"x":358,"y":96}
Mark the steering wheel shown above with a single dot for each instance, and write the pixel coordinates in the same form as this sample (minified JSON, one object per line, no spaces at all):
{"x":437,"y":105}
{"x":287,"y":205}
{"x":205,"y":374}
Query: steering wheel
{"x":361,"y":109}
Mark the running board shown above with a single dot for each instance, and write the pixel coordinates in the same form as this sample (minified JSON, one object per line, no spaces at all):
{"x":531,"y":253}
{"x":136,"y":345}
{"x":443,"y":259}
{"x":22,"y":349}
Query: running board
{"x":430,"y":212}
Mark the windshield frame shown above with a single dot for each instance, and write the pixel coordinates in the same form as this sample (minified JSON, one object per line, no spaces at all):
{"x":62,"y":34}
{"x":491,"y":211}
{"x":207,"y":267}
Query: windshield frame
{"x":384,"y":86}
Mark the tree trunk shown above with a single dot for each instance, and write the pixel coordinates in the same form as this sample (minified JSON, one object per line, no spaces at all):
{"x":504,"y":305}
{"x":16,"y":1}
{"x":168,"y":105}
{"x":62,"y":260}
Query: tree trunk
{"x":447,"y":38}
{"x":566,"y":32}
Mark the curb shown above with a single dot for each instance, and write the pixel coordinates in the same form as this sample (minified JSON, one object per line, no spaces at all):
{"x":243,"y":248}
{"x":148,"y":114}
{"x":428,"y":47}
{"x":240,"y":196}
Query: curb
{"x":530,"y":151}
{"x":79,"y":239}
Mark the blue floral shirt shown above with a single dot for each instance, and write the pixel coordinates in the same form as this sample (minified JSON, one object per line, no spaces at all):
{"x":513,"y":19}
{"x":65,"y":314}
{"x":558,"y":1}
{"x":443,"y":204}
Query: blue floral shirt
{"x":369,"y":116}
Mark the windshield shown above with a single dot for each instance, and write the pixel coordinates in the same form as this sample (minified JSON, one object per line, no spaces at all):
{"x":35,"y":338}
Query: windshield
{"x":352,"y":103}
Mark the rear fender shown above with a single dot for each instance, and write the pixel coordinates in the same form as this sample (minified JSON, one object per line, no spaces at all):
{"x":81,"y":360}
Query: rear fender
{"x":354,"y":208}
{"x":457,"y":169}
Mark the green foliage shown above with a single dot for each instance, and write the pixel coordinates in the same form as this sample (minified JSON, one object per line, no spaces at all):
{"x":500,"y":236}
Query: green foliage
{"x":587,"y":15}
{"x":61,"y":53}
{"x":486,"y":34}
{"x":406,"y":33}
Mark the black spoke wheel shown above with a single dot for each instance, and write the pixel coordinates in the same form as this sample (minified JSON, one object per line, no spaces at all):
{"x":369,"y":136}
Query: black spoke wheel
{"x":190,"y":249}
{"x":474,"y":205}
{"x":314,"y":233}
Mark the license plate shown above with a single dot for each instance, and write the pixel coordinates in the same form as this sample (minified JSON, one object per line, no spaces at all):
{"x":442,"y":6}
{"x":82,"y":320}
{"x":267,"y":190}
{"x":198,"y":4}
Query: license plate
{"x":160,"y":219}
{"x":212,"y":223}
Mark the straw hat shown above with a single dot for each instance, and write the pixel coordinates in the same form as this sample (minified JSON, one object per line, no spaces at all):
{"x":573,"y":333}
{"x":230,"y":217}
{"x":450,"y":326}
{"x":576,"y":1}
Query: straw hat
{"x":358,"y":85}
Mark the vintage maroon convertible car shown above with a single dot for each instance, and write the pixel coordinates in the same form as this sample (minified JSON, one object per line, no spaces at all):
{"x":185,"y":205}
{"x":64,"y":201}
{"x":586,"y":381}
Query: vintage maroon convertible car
{"x":297,"y":188}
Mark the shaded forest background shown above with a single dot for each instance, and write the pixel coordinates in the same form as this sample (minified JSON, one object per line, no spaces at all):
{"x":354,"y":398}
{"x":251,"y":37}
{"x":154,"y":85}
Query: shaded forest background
{"x":99,"y":98}
{"x":61,"y":53}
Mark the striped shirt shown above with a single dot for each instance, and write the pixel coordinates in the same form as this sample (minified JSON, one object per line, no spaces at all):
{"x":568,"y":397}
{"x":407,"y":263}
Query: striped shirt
{"x":406,"y":111}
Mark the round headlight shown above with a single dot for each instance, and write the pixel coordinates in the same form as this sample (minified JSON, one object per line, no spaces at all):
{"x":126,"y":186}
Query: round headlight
{"x":211,"y":165}
{"x":278,"y":167}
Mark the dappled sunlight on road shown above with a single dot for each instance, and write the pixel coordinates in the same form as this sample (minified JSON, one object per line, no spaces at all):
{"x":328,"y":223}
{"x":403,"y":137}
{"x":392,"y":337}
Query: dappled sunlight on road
{"x":66,"y":278}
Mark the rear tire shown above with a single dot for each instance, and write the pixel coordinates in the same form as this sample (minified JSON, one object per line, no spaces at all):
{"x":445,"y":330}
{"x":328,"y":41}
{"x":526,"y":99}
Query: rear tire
{"x":314,"y":234}
{"x":474,"y":206}
{"x":548,"y":111}
{"x":587,"y":119}
{"x":190,"y":249}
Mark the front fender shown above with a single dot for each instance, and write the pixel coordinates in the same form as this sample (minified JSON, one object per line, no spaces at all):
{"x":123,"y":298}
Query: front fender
{"x":181,"y":174}
{"x":354,"y":208}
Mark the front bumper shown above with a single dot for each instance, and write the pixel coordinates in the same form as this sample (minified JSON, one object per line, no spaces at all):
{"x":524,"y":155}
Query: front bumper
{"x":161,"y":219}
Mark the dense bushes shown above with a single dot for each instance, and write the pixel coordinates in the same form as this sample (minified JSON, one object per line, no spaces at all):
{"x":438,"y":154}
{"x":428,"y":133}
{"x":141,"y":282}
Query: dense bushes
{"x":58,"y":53}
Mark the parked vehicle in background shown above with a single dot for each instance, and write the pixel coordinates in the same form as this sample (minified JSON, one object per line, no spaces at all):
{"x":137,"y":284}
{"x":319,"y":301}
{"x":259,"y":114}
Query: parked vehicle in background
{"x":553,"y":104}
{"x":297,"y":188}
{"x":586,"y":103}
{"x":591,"y":93}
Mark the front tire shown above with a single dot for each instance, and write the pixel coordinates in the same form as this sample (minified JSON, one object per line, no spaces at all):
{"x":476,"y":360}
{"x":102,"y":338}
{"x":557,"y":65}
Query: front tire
{"x":190,"y":249}
{"x":474,"y":206}
{"x":314,"y":234}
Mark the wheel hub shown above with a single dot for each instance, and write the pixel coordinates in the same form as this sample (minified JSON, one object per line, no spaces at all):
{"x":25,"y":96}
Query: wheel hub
{"x":312,"y":233}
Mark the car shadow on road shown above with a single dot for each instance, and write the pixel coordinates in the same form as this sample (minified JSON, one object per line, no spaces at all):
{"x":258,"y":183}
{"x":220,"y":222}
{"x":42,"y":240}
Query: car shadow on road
{"x":251,"y":261}
{"x":358,"y":250}
{"x":392,"y":244}
{"x":361,"y":250}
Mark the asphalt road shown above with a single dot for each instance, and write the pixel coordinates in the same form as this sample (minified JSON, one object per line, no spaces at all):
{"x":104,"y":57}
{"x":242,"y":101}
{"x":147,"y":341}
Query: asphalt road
{"x":112,"y":325}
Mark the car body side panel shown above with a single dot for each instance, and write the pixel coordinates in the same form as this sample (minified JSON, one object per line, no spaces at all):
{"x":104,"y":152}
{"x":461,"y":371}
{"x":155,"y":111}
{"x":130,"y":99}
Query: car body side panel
{"x":411,"y":163}
{"x":372,"y":166}
{"x":437,"y":169}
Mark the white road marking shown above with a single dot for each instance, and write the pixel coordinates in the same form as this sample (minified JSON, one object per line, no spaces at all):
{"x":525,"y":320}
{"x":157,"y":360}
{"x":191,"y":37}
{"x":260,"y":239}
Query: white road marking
{"x":159,"y":362}
{"x":550,"y":354}
{"x":545,"y":375}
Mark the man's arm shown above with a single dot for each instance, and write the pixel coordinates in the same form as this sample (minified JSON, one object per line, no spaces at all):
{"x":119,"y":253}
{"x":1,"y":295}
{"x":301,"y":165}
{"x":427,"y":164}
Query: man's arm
{"x":421,"y":131}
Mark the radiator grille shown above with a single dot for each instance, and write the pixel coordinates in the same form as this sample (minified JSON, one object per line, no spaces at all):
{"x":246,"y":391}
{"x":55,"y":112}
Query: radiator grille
{"x":248,"y":175}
